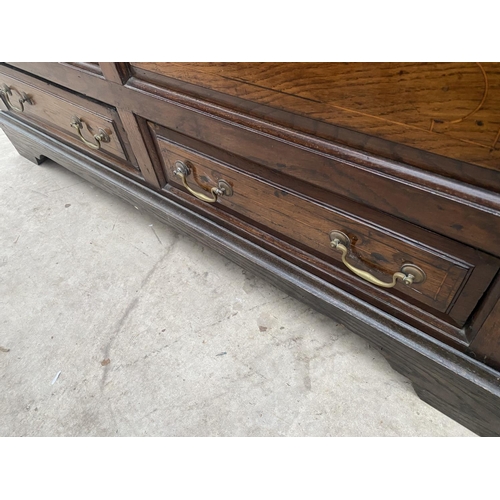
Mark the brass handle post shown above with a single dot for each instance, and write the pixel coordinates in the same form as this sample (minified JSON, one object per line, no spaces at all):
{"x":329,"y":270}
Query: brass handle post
{"x":223,"y":188}
{"x":408,"y":274}
{"x":6,"y":91}
{"x":102,"y":136}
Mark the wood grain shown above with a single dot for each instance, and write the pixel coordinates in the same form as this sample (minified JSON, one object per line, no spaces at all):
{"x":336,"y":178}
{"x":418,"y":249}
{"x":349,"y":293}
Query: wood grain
{"x":284,"y":140}
{"x":88,"y":67}
{"x":131,"y":127}
{"x":380,"y":252}
{"x":400,"y":307}
{"x":414,"y":313}
{"x":486,"y":345}
{"x":59,"y":112}
{"x":461,"y":387}
{"x":53,"y":109}
{"x":447,"y":108}
{"x":115,"y":72}
{"x":368,"y":181}
{"x":466,"y":213}
{"x":225,"y":104}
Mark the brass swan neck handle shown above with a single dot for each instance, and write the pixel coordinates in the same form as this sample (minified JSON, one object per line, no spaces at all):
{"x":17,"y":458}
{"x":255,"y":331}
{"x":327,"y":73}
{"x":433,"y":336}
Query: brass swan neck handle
{"x":6,"y":91}
{"x":223,"y":188}
{"x":409,"y":274}
{"x":102,"y":136}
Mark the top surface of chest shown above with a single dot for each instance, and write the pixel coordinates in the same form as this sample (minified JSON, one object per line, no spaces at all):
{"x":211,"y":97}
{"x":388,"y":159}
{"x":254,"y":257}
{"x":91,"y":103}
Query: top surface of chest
{"x":449,"y":109}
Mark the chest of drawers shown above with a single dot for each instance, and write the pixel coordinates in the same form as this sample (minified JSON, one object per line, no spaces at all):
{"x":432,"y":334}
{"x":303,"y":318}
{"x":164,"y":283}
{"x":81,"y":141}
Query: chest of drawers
{"x":369,"y":191}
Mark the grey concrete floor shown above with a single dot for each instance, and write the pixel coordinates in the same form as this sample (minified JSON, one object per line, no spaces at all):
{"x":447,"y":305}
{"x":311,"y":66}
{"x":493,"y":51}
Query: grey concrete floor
{"x":156,"y":335}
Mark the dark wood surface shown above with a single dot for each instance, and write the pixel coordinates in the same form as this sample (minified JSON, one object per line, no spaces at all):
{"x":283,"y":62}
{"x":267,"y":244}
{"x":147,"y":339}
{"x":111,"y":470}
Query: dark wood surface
{"x":197,"y":118}
{"x":88,"y":67}
{"x":397,"y":200}
{"x":398,"y":304}
{"x":424,"y":160}
{"x":486,"y":345}
{"x":151,"y":174}
{"x":374,"y":249}
{"x":88,"y":84}
{"x":53,"y":110}
{"x":457,"y":385}
{"x":447,"y":108}
{"x":115,"y":72}
{"x":377,"y":183}
{"x":466,"y":213}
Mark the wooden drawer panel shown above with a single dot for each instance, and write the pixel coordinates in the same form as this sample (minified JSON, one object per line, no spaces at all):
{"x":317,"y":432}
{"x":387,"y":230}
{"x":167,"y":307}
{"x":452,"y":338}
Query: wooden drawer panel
{"x":59,"y":111}
{"x":375,"y":249}
{"x":466,"y":214}
{"x":276,"y":142}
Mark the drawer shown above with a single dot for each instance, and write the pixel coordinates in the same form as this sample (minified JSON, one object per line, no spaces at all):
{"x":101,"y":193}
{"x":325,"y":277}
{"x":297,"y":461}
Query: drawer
{"x":466,"y":214}
{"x":448,"y":278}
{"x":88,"y":125}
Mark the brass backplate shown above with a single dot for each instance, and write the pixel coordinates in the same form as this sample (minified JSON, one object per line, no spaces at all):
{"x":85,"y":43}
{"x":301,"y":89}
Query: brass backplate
{"x":225,"y":187}
{"x":342,"y":237}
{"x":418,"y":274}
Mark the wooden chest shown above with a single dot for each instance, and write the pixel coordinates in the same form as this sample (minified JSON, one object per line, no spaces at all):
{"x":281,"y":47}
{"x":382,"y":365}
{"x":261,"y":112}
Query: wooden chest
{"x":369,"y":191}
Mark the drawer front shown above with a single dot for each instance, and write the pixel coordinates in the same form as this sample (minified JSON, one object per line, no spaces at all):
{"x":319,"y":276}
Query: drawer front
{"x":373,"y":253}
{"x":76,"y":122}
{"x":466,"y":214}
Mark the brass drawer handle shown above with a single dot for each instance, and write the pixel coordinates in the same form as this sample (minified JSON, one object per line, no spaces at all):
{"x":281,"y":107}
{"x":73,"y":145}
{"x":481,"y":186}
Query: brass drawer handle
{"x":102,"y":136}
{"x":222,"y":188}
{"x":6,"y":91}
{"x":409,"y":273}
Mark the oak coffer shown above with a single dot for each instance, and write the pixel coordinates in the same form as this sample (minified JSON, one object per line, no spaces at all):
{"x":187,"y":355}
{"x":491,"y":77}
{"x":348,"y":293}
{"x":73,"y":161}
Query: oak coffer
{"x":370,"y":191}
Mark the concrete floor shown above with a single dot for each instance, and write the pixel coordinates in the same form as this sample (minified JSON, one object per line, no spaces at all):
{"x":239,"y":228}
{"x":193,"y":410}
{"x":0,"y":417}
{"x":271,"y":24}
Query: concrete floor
{"x":155,"y":335}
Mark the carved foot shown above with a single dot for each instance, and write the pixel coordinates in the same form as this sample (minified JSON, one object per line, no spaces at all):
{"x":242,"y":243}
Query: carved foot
{"x":461,"y":398}
{"x":25,"y":146}
{"x":37,"y":160}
